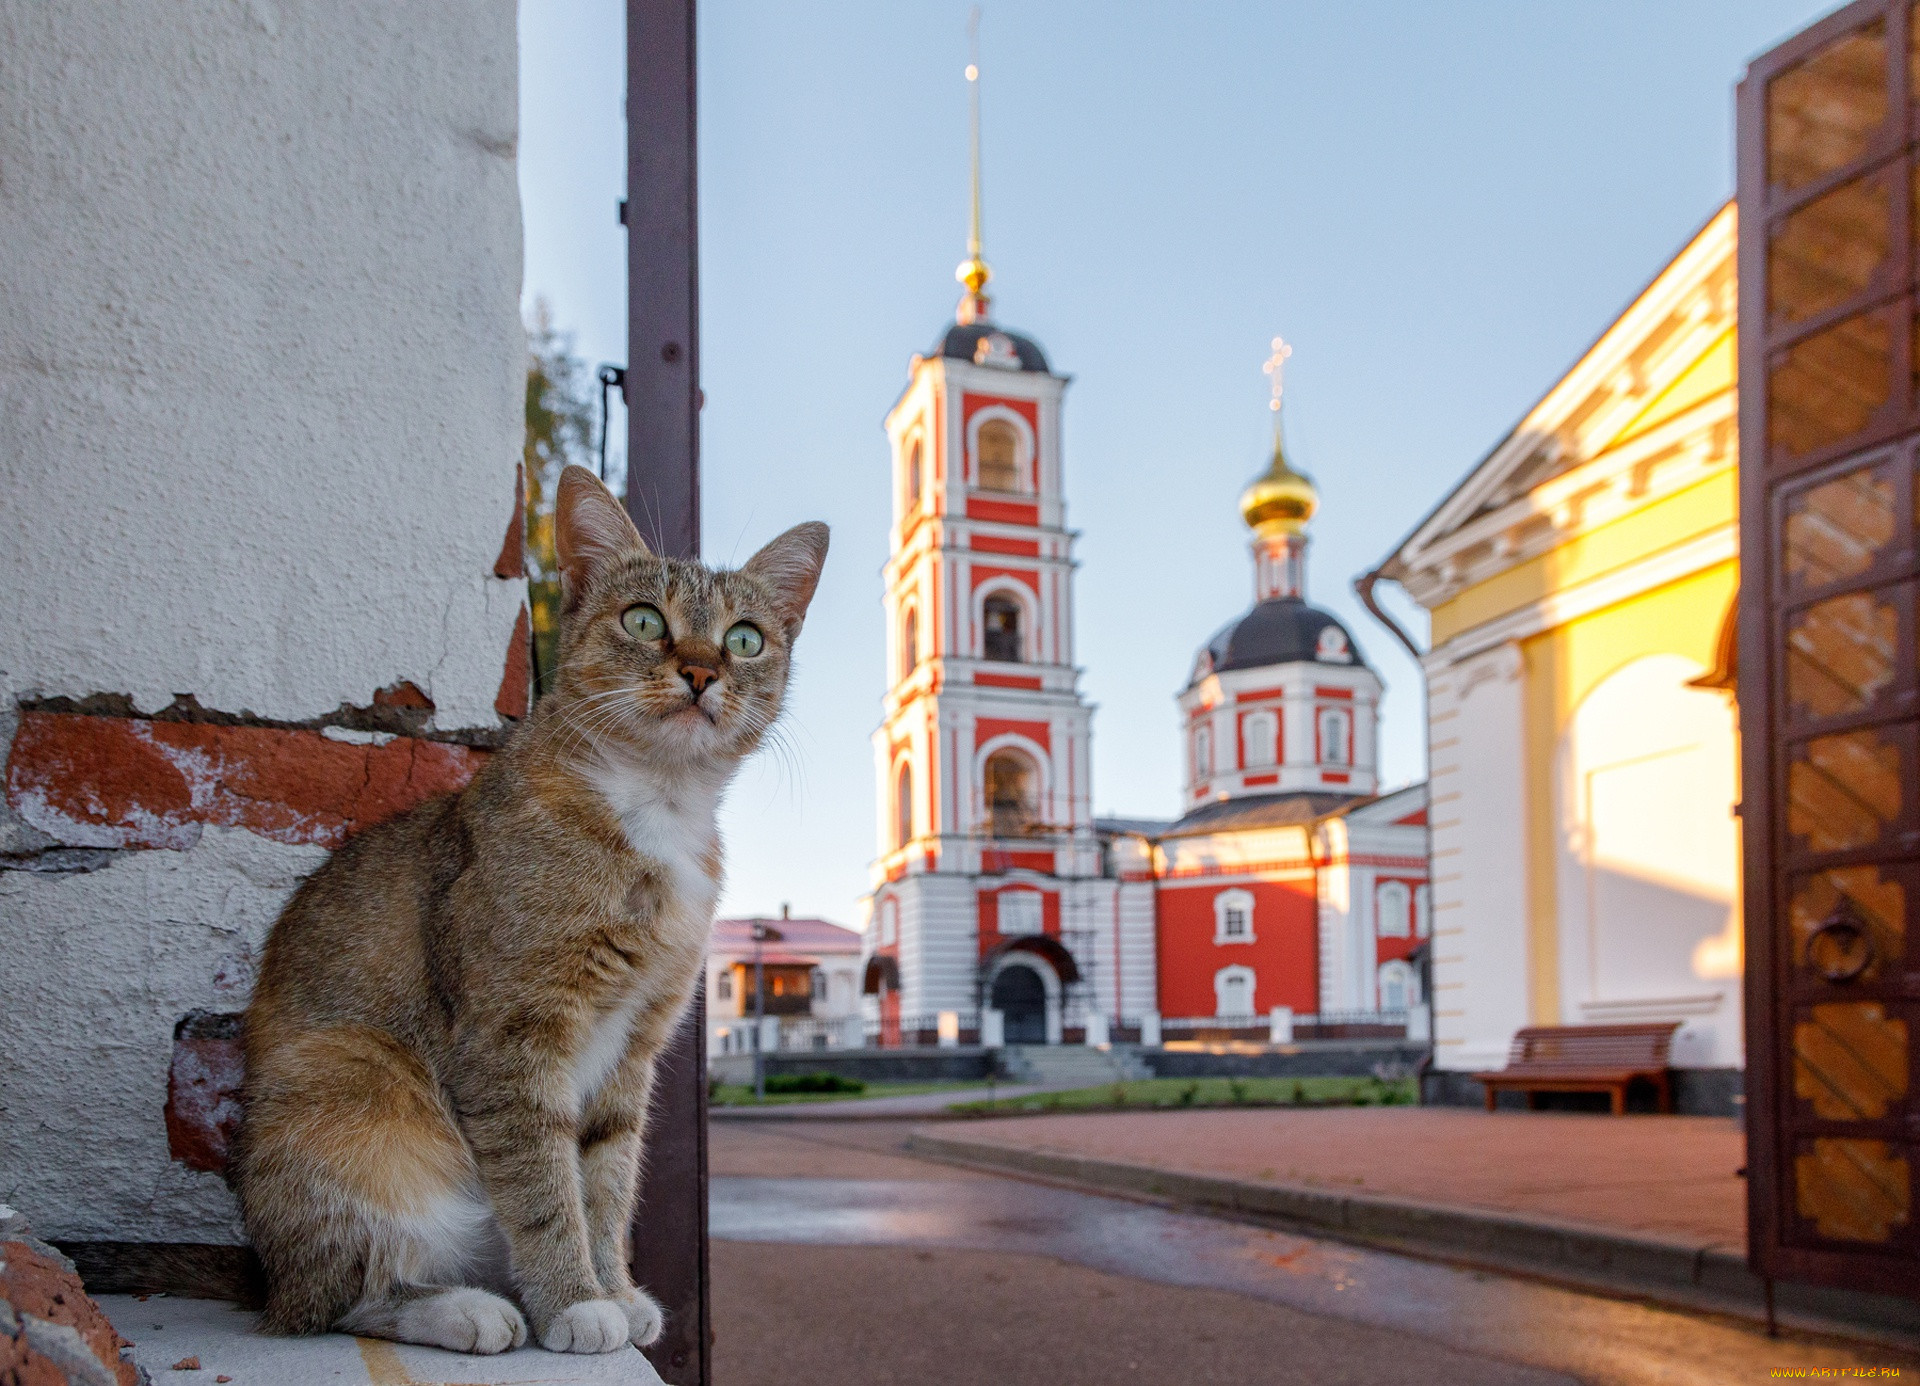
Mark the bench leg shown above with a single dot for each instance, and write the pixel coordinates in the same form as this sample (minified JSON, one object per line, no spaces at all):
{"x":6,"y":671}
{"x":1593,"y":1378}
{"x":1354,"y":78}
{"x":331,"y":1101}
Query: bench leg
{"x":1619,"y":1095}
{"x":1492,"y":1096}
{"x":1533,"y":1100}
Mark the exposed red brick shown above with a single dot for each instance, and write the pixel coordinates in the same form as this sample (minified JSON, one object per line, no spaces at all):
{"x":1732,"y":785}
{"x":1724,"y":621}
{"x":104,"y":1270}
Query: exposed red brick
{"x":402,"y":694}
{"x":516,"y":684}
{"x":203,"y":1101}
{"x":512,"y":562}
{"x":33,"y":1282}
{"x":118,"y":781}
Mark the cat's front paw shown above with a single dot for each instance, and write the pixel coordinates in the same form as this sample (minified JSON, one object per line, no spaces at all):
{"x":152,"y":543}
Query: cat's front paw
{"x":592,"y":1325}
{"x":646,"y":1320}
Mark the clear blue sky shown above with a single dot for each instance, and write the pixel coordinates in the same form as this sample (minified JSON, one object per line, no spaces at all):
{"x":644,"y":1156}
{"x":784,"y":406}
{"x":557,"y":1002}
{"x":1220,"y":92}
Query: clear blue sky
{"x":1439,"y":205}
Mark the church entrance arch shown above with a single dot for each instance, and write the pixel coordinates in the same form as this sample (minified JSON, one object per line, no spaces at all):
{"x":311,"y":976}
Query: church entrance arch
{"x":1020,"y":995}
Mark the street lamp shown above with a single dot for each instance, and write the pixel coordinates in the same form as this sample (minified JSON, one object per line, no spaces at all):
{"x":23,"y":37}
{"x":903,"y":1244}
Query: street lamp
{"x":763,"y":933}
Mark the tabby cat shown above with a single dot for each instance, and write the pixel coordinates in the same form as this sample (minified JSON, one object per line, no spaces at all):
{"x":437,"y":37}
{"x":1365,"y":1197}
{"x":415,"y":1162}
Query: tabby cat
{"x":450,"y":1048}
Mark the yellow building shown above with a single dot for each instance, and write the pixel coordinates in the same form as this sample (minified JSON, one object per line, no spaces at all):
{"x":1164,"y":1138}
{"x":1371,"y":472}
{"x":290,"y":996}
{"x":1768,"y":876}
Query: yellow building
{"x":1581,"y":735}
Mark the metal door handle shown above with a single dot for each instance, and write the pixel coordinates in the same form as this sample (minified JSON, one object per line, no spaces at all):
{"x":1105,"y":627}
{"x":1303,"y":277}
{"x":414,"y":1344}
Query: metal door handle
{"x":1852,"y":945}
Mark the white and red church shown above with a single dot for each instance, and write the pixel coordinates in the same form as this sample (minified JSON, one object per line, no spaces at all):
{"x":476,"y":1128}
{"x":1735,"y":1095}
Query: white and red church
{"x":1288,"y":882}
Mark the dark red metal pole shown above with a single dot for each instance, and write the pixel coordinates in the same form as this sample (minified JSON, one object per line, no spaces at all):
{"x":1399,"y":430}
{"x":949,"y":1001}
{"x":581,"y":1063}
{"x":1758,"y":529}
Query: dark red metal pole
{"x":662,"y":391}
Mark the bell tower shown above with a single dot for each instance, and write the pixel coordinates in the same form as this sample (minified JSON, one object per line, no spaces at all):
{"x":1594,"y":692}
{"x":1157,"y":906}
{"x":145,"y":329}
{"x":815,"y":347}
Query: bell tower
{"x":982,"y":754}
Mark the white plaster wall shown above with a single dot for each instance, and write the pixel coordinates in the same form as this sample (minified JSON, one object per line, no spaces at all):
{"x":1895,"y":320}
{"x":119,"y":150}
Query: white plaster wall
{"x":101,"y":965}
{"x":261,"y":383}
{"x":261,"y":361}
{"x":1648,"y":860}
{"x":1476,"y":722}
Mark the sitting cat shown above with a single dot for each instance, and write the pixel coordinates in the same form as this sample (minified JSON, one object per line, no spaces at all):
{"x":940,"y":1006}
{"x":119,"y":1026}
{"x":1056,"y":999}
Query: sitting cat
{"x":450,"y":1048}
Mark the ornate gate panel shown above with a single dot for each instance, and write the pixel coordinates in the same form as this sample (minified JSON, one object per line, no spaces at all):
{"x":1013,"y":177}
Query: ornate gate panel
{"x":1829,"y":686}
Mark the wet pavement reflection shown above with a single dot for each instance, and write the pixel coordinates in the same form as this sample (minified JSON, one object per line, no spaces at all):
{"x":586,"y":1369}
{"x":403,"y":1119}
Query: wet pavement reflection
{"x":1588,"y":1336}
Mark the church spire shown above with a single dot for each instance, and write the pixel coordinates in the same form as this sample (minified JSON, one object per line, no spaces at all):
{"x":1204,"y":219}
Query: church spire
{"x":973,"y":271}
{"x":1278,"y":505}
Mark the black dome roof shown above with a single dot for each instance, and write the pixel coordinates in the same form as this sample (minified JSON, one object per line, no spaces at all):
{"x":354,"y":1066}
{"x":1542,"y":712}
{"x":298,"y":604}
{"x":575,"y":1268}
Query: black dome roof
{"x":961,"y":342}
{"x":1280,"y":630}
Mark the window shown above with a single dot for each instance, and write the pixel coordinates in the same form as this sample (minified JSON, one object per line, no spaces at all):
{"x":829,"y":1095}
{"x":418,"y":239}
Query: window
{"x":1233,"y":917}
{"x":889,"y":922}
{"x":723,"y":984}
{"x":1233,"y":993}
{"x":909,"y":642}
{"x":913,"y":475}
{"x":1422,"y":912}
{"x":817,"y":984}
{"x":1202,"y":752}
{"x":1336,"y":727}
{"x":903,"y":807}
{"x":1000,"y":618}
{"x":1262,"y":730}
{"x":1010,"y":793}
{"x":1396,"y":986}
{"x":997,"y":452}
{"x":1018,"y":912}
{"x":1393,"y":905}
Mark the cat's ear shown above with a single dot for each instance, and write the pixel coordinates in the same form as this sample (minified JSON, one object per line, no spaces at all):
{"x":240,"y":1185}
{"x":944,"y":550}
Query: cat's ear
{"x":791,"y":565}
{"x":589,"y":528}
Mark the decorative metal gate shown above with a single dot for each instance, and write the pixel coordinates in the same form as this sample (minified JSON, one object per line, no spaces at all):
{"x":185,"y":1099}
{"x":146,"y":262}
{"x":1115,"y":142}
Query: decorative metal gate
{"x":1829,"y":187}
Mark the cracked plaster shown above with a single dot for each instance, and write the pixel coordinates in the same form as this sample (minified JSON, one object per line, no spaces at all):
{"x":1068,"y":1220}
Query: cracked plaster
{"x":100,"y":966}
{"x":261,"y":392}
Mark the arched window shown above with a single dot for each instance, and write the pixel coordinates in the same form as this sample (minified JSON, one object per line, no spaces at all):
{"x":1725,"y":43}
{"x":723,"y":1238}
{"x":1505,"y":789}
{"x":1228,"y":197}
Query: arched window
{"x":1263,"y":738}
{"x":1394,"y":908}
{"x":1422,"y":912}
{"x":1000,"y":616}
{"x":1010,"y":793}
{"x":1396,"y":986}
{"x":909,"y":642}
{"x":1233,"y":993}
{"x":996,"y":450}
{"x":1336,"y":736}
{"x":913,"y":475}
{"x":1233,"y":917}
{"x":1202,"y":752}
{"x":903,"y":807}
{"x":889,"y":922}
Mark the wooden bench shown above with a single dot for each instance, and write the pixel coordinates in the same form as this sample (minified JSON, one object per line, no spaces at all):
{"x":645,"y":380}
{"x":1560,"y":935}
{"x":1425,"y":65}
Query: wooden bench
{"x":1586,"y":1058}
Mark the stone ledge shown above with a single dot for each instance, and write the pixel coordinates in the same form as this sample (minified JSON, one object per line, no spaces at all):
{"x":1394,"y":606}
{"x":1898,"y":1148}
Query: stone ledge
{"x":1695,"y":1276}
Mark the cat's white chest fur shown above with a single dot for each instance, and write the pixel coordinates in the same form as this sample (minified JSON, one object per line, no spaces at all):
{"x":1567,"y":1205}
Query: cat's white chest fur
{"x":674,"y":826}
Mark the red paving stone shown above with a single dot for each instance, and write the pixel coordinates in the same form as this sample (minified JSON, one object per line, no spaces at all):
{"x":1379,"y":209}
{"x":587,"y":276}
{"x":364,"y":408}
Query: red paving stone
{"x":1670,"y":1178}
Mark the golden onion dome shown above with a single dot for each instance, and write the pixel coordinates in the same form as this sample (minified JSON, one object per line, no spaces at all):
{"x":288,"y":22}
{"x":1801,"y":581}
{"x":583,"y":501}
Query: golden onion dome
{"x":1279,"y":498}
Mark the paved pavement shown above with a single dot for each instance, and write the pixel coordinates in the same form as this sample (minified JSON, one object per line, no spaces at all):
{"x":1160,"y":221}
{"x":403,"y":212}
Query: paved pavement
{"x":1661,"y":1177}
{"x":838,"y":1260}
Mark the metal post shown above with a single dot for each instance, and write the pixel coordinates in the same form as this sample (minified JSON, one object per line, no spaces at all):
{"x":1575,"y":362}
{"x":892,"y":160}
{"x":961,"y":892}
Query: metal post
{"x":759,"y":1015}
{"x":662,"y":393}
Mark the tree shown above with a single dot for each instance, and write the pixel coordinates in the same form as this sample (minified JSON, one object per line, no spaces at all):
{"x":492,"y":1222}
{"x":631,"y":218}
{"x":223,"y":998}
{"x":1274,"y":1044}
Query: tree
{"x":560,"y":429}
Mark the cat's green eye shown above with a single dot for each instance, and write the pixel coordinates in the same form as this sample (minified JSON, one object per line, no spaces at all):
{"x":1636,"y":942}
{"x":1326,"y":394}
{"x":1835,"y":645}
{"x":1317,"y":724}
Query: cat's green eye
{"x":745,"y":640}
{"x":644,"y":623}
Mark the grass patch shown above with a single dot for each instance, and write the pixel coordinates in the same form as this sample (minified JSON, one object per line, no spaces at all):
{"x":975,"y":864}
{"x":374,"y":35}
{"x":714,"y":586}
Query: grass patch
{"x":1177,"y":1093}
{"x":741,"y":1094}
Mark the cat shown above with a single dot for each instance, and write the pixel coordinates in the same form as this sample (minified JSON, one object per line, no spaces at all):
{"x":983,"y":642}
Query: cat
{"x":451,"y":1043}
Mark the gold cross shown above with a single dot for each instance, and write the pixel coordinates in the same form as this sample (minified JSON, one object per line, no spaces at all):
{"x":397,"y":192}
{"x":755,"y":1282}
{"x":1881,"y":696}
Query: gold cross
{"x":1275,"y":367}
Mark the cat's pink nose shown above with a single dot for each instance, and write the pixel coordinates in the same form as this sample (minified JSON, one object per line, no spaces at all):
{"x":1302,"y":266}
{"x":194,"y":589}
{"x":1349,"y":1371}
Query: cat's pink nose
{"x":698,"y":677}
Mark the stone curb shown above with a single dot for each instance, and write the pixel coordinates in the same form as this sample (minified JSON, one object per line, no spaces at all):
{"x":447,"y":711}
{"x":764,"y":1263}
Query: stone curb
{"x":1692,"y":1275}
